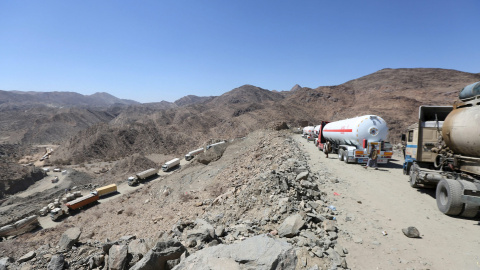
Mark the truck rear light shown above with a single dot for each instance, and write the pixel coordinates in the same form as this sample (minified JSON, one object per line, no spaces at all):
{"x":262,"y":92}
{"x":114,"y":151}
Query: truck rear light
{"x":359,"y":153}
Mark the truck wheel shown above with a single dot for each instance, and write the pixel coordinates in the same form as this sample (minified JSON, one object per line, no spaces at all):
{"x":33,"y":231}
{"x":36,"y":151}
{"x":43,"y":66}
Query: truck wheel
{"x":413,"y":178}
{"x":345,"y":156}
{"x":448,"y":196}
{"x":340,"y":154}
{"x":470,"y":210}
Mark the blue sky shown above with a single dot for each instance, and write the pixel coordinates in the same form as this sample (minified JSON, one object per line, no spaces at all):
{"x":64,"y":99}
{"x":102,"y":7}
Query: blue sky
{"x":150,"y":51}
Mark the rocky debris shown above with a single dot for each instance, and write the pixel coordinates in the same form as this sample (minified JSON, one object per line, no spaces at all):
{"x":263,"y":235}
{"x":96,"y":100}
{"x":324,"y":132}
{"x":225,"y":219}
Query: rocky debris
{"x":5,"y":262}
{"x":158,"y":256}
{"x":57,"y":262}
{"x":27,"y":257}
{"x":291,"y":226}
{"x":411,"y":232}
{"x":269,"y":197}
{"x":117,"y":257}
{"x":258,"y":252}
{"x":69,"y":238}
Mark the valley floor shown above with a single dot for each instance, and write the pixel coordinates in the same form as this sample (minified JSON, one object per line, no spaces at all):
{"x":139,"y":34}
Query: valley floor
{"x":370,"y":202}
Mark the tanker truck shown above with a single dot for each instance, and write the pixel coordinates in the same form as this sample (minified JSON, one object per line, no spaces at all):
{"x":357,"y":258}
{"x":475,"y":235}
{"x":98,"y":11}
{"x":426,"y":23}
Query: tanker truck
{"x":135,"y":180}
{"x":443,"y":150}
{"x":352,"y":139}
{"x":308,"y":132}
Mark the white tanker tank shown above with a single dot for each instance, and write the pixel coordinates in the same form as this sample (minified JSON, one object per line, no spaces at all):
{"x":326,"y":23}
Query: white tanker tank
{"x":308,"y":132}
{"x":353,"y":138}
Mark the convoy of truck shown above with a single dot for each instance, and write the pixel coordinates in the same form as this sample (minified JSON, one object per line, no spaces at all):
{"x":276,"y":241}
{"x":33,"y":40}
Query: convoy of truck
{"x":443,"y":151}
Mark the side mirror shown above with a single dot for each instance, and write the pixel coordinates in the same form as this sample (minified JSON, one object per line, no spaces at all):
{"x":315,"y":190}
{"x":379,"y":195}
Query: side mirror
{"x":404,"y":138}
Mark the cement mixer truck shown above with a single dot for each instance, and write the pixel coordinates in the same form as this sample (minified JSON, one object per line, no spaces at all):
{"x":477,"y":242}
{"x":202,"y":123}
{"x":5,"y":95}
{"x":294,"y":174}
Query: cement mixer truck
{"x":352,"y":139}
{"x":443,"y":150}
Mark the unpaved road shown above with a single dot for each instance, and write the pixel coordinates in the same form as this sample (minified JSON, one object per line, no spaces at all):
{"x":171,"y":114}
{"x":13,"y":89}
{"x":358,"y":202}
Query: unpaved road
{"x":122,"y":189}
{"x":383,"y":200}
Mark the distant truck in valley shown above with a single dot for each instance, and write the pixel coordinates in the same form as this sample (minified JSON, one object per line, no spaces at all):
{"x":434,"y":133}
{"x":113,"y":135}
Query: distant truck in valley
{"x":82,"y":201}
{"x":24,"y":225}
{"x":443,"y":150}
{"x":352,"y":139}
{"x":105,"y":190}
{"x":170,"y":164}
{"x":193,"y":153}
{"x":215,"y":144}
{"x":135,"y":180}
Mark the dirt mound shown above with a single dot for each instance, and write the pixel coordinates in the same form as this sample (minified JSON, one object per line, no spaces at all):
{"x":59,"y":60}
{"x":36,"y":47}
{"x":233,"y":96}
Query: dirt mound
{"x":133,"y":164}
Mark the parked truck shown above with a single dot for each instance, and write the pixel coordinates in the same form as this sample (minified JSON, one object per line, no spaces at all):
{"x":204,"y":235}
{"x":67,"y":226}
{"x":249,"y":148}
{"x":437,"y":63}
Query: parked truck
{"x":56,"y":213}
{"x":308,"y":132}
{"x":19,"y":227}
{"x":352,"y":139}
{"x":170,"y":164}
{"x":193,"y":153}
{"x":443,"y":150}
{"x":105,"y":190}
{"x":82,"y":201}
{"x":215,"y":144}
{"x":135,"y":180}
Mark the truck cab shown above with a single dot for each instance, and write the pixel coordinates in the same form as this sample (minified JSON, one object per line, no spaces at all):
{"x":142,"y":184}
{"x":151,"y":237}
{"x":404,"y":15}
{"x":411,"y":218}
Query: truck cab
{"x":422,"y":137}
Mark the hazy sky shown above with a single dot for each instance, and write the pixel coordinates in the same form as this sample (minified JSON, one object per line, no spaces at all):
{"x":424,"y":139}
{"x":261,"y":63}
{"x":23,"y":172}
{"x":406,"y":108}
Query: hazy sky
{"x":163,"y":50}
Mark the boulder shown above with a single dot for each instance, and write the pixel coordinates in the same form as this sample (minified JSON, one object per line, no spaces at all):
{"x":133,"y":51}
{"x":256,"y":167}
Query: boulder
{"x":203,"y":232}
{"x":411,"y":232}
{"x":117,"y":257}
{"x":5,"y":262}
{"x":158,"y":256}
{"x":259,"y":252}
{"x":291,"y":226}
{"x":302,"y":176}
{"x":57,"y":262}
{"x":69,"y":238}
{"x":138,"y":247}
{"x":30,"y":255}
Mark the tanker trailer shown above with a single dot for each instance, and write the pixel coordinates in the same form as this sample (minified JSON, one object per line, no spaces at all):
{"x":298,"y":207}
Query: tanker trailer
{"x":443,"y":150}
{"x":307,"y":131}
{"x":352,"y":139}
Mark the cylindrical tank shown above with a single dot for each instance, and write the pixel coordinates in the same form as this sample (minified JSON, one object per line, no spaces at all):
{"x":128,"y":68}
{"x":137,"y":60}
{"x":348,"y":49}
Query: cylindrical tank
{"x":354,"y":130}
{"x":316,"y":130}
{"x":308,"y":130}
{"x":461,"y":130}
{"x":470,"y":91}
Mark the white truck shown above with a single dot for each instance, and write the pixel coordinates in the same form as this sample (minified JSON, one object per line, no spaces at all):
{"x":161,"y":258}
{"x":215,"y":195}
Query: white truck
{"x":135,"y":180}
{"x":215,"y":144}
{"x":56,"y":213}
{"x":170,"y":164}
{"x":308,"y":132}
{"x":352,"y":139}
{"x":193,"y":153}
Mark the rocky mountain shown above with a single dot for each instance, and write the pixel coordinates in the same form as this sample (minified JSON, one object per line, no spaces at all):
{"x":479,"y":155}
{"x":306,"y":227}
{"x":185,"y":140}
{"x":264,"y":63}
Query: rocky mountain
{"x":174,"y":128}
{"x":191,"y":99}
{"x":394,"y":94}
{"x":60,"y":99}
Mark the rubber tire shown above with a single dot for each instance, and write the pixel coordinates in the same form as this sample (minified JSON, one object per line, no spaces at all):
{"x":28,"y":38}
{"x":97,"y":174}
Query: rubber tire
{"x":448,"y":196}
{"x":340,"y":154}
{"x":470,"y":210}
{"x":413,"y":178}
{"x":345,"y":156}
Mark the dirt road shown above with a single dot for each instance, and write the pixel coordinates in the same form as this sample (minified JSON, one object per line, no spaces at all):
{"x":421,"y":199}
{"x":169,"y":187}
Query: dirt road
{"x":122,"y":189}
{"x":370,"y":202}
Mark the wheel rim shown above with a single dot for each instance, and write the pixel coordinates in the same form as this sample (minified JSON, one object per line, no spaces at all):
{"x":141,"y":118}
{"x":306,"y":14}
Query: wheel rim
{"x":443,"y":196}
